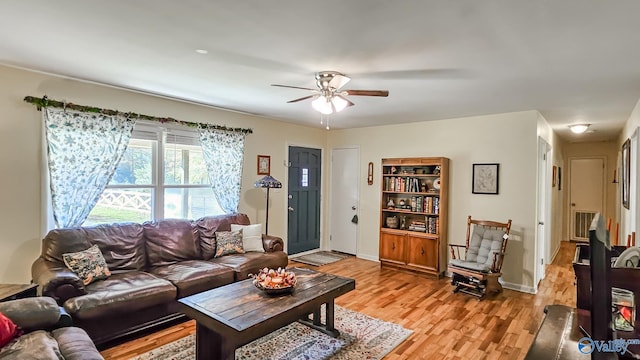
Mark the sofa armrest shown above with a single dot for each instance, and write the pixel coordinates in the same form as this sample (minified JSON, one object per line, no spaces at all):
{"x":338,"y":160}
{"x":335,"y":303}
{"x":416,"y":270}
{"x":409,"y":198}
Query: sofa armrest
{"x":272,"y":243}
{"x":35,"y":313}
{"x":56,"y":280}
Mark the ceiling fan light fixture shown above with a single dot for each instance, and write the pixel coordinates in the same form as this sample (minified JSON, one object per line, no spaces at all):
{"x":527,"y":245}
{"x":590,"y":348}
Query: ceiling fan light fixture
{"x":322,"y":105}
{"x":339,"y":103}
{"x":579,"y":128}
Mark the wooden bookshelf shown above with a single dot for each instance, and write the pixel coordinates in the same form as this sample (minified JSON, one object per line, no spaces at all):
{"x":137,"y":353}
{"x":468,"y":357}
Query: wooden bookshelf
{"x":413,"y":214}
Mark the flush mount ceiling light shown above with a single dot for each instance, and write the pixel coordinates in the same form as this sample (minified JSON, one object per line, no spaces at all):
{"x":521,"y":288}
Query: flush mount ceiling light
{"x":579,"y":128}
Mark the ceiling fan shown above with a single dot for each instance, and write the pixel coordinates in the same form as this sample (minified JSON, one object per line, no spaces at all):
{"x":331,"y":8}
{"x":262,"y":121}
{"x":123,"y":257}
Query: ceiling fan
{"x":329,"y":97}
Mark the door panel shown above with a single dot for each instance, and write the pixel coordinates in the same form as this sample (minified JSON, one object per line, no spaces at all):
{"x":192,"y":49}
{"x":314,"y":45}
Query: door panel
{"x":423,"y":252}
{"x":392,"y":247}
{"x":586,"y":194}
{"x":344,"y":200}
{"x":304,"y":199}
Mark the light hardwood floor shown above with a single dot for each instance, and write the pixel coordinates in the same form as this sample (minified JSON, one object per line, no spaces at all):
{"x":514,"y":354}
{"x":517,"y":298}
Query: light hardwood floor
{"x":445,"y":325}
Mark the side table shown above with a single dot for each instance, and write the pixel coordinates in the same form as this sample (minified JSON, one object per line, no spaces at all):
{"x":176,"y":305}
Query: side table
{"x":17,"y":291}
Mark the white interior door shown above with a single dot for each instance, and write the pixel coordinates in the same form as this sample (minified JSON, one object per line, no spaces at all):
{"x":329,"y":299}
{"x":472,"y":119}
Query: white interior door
{"x":586,"y":195}
{"x":542,"y":238}
{"x":345,"y":177}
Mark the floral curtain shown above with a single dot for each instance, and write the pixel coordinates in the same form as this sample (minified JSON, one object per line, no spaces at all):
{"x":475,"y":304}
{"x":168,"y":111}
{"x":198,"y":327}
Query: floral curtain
{"x":83,"y":151}
{"x":223,"y":152}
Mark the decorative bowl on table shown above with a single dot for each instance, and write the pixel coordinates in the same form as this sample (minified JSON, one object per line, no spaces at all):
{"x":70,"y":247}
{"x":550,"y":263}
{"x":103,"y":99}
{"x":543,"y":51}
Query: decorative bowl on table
{"x":273,"y":281}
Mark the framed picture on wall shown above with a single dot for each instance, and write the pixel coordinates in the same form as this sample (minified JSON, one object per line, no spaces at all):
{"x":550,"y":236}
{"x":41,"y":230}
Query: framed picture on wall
{"x":264,"y":165}
{"x":625,"y":170}
{"x":553,"y":176}
{"x":485,"y":179}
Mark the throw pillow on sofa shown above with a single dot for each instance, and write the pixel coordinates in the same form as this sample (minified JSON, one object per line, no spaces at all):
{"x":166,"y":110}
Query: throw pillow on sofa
{"x":228,"y":242}
{"x":89,"y":264}
{"x":251,"y":236}
{"x":8,"y":330}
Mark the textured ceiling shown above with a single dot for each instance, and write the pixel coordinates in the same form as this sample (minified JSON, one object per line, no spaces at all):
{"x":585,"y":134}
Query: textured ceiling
{"x":573,"y":60}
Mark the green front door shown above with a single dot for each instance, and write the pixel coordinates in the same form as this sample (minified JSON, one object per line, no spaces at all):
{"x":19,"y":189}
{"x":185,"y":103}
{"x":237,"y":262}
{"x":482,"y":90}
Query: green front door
{"x":304,"y":199}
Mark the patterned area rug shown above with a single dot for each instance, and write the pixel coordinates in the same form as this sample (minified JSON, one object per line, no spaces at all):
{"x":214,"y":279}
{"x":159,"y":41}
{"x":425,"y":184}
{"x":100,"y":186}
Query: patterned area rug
{"x":319,"y":258}
{"x":361,"y":337}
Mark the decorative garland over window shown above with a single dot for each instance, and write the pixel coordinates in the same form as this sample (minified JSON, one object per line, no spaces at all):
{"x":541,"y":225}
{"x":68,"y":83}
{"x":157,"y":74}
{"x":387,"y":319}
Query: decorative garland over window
{"x":46,"y":102}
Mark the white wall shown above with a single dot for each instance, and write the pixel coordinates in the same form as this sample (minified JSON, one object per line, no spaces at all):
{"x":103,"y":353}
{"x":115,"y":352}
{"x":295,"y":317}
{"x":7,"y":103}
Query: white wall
{"x":20,"y":149}
{"x":629,"y":217}
{"x":509,"y":139}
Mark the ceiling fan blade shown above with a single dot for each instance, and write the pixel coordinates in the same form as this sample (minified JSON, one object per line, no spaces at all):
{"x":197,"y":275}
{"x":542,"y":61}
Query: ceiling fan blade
{"x":294,"y":87}
{"x":339,"y":81}
{"x":302,"y":98}
{"x":367,"y":92}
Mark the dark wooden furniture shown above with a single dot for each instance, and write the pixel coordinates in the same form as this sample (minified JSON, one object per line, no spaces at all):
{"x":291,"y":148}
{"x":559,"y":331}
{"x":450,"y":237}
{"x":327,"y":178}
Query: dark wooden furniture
{"x":558,"y":335}
{"x":17,"y":291}
{"x":234,"y":315}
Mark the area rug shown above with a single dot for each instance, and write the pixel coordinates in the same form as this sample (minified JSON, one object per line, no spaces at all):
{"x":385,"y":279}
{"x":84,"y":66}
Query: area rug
{"x":361,"y":337}
{"x":319,"y":258}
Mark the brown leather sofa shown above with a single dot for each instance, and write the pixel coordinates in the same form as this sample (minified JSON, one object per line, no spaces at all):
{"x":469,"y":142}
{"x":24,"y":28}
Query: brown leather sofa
{"x":152,"y":265}
{"x":39,"y":318}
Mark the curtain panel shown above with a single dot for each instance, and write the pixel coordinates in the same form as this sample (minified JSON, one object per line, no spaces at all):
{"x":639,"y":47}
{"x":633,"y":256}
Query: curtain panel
{"x":223,"y":152}
{"x":83,"y":151}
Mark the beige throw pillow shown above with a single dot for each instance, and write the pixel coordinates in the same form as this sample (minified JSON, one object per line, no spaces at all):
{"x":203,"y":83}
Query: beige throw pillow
{"x":251,"y":236}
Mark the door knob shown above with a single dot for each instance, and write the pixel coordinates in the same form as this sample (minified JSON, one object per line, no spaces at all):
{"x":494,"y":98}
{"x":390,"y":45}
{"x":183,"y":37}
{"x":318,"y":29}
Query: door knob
{"x":290,"y":208}
{"x":353,"y":208}
{"x":290,"y":196}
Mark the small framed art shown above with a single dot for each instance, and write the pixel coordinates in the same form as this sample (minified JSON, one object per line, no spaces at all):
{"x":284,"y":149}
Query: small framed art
{"x":264,"y":165}
{"x":485,"y":179}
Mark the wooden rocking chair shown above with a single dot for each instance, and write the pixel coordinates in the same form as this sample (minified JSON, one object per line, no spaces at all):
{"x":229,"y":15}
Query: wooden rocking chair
{"x":478,"y":272}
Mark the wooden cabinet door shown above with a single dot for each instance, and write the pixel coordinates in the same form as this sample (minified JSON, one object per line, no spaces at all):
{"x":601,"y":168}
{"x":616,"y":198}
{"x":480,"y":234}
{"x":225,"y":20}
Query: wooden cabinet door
{"x":422,"y":252}
{"x":392,"y":247}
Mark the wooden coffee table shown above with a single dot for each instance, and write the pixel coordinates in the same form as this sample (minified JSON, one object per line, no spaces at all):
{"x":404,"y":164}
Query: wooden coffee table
{"x":236,"y":314}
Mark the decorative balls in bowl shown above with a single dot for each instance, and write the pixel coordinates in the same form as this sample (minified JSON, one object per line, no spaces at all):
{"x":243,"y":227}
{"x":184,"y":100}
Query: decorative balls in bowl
{"x":274,"y":281}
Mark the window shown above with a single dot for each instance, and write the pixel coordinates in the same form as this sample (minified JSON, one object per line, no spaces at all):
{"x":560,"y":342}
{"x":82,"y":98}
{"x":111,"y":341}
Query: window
{"x":161,"y":175}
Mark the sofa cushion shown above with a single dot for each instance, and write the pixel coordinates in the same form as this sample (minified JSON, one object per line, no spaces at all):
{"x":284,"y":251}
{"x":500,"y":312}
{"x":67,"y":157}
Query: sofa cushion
{"x":89,"y":264}
{"x":32,"y":313}
{"x":35,"y":345}
{"x":228,"y":242}
{"x":208,"y":226}
{"x":75,"y":344}
{"x":251,"y":236}
{"x":119,"y":294}
{"x":122,"y":245}
{"x":61,"y":241}
{"x":171,"y":240}
{"x":194,"y":276}
{"x":252,"y":262}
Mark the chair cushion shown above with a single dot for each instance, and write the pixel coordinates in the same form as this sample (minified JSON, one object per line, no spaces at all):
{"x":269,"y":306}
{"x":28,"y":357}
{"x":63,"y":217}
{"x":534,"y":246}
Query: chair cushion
{"x":483,"y":244}
{"x":470,"y":265}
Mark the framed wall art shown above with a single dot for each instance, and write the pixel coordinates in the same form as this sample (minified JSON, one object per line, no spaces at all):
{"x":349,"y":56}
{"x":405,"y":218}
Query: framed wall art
{"x":553,"y":176}
{"x":264,"y":165}
{"x":485,"y":179}
{"x":625,"y":170}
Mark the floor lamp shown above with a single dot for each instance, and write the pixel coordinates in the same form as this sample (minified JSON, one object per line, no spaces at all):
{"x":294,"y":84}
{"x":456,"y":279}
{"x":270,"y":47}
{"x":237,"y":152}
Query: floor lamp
{"x":268,"y":182}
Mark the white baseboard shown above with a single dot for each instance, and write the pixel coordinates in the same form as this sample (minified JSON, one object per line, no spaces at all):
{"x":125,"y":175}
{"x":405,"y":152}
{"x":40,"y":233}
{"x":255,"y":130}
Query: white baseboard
{"x":367,"y":257}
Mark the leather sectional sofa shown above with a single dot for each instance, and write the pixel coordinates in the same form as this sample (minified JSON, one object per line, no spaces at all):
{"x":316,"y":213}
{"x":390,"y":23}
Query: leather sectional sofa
{"x":152,"y":265}
{"x":45,"y":334}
